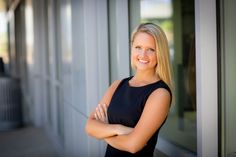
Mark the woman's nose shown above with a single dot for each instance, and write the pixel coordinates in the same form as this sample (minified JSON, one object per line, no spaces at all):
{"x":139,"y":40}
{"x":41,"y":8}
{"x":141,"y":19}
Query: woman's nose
{"x":143,"y":53}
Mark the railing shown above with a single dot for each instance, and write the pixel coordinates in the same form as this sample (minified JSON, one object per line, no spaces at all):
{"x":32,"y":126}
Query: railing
{"x":10,"y":103}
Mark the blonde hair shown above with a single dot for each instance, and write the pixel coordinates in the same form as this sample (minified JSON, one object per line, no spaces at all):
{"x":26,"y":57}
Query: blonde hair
{"x":163,"y":68}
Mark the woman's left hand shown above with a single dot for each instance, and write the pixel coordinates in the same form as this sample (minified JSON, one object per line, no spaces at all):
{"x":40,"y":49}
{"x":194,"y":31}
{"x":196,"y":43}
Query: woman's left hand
{"x":101,"y":113}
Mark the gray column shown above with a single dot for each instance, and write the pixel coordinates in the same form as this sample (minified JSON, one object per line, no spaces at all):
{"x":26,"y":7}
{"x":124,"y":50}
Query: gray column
{"x":206,"y":73}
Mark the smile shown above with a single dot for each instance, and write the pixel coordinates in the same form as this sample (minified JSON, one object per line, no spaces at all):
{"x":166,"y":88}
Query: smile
{"x":143,"y":61}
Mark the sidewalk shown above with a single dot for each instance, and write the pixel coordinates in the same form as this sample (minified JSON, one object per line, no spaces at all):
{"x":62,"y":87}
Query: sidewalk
{"x":31,"y":142}
{"x":26,"y":142}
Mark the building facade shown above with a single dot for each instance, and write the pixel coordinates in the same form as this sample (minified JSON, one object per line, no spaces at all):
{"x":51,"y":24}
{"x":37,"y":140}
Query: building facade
{"x":67,"y":52}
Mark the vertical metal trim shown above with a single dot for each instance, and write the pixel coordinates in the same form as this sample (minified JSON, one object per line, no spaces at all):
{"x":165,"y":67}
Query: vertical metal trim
{"x":122,"y":38}
{"x":220,"y":66}
{"x":96,"y":60}
{"x":206,"y":78}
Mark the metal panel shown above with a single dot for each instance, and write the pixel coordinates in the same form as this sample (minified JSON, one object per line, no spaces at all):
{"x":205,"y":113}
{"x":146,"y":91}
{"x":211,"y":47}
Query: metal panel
{"x":122,"y":38}
{"x":119,"y":39}
{"x":96,"y":60}
{"x":206,"y":72}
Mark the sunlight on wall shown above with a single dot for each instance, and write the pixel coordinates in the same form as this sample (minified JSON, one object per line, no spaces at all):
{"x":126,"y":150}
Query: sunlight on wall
{"x":29,"y":31}
{"x":3,"y":37}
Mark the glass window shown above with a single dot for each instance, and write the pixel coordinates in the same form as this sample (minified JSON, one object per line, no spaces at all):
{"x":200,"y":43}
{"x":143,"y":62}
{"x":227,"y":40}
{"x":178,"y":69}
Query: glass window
{"x":57,"y":40}
{"x":60,"y":113}
{"x":49,"y":102}
{"x":228,"y":76}
{"x":177,"y":20}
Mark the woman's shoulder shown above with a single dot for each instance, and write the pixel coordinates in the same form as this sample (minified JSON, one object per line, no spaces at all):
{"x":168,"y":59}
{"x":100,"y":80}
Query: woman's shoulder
{"x":162,"y":90}
{"x":162,"y":85}
{"x":115,"y":83}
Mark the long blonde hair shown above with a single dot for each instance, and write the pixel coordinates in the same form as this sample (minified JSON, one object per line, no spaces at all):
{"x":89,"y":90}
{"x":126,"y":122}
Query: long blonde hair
{"x":163,"y":68}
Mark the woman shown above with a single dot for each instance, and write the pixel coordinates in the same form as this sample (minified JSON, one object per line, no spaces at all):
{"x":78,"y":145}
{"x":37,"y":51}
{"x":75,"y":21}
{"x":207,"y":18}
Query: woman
{"x":132,"y":111}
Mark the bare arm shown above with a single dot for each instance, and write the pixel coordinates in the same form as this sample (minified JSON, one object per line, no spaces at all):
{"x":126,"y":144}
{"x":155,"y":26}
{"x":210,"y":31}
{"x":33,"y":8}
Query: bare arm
{"x":154,"y":113}
{"x":99,"y":129}
{"x":97,"y":125}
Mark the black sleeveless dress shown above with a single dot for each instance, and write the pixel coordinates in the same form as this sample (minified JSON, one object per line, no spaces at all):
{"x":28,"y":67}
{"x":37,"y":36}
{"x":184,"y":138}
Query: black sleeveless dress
{"x":126,"y":107}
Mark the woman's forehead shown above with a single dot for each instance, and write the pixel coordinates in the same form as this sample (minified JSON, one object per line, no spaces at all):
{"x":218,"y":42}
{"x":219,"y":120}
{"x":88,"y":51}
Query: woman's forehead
{"x":143,"y":37}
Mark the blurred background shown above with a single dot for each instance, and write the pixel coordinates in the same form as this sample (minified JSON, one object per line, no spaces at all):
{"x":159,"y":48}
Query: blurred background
{"x":57,"y":58}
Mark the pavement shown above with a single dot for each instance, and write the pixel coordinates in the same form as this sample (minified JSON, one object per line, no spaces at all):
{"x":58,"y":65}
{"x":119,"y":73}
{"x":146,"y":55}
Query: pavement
{"x":31,"y":142}
{"x":26,"y":142}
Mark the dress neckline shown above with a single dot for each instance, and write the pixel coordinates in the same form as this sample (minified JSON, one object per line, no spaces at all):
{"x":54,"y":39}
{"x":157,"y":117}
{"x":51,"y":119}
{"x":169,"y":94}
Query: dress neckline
{"x":143,"y":86}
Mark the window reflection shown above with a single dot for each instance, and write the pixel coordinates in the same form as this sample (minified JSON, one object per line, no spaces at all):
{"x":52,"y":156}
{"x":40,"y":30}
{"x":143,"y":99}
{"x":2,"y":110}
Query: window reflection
{"x":177,"y":20}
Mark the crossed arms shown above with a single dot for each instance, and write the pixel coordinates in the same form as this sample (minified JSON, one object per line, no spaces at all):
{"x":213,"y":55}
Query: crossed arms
{"x":123,"y":137}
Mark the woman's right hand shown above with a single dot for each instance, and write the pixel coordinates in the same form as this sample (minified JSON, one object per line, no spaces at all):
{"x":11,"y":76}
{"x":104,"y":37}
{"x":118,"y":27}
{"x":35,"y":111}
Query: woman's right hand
{"x":101,"y":113}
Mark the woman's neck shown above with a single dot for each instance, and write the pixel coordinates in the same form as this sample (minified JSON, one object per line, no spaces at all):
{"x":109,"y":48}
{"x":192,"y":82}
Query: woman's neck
{"x":145,"y":77}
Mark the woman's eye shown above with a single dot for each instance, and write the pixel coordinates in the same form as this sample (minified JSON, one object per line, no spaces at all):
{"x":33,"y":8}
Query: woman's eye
{"x":138,"y":47}
{"x":150,"y":50}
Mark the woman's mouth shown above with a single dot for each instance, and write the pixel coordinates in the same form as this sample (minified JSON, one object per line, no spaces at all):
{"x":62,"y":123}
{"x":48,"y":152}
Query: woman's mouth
{"x":143,"y":61}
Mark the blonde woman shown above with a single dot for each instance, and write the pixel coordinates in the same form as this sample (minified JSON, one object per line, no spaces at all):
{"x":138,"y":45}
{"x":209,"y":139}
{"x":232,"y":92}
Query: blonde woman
{"x":133,"y":110}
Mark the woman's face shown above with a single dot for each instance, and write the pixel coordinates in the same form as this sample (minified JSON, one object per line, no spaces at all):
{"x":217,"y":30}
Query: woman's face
{"x":143,"y":53}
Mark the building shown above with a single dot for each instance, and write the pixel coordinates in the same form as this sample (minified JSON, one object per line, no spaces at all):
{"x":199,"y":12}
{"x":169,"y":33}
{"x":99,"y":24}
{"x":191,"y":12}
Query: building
{"x":67,"y":52}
